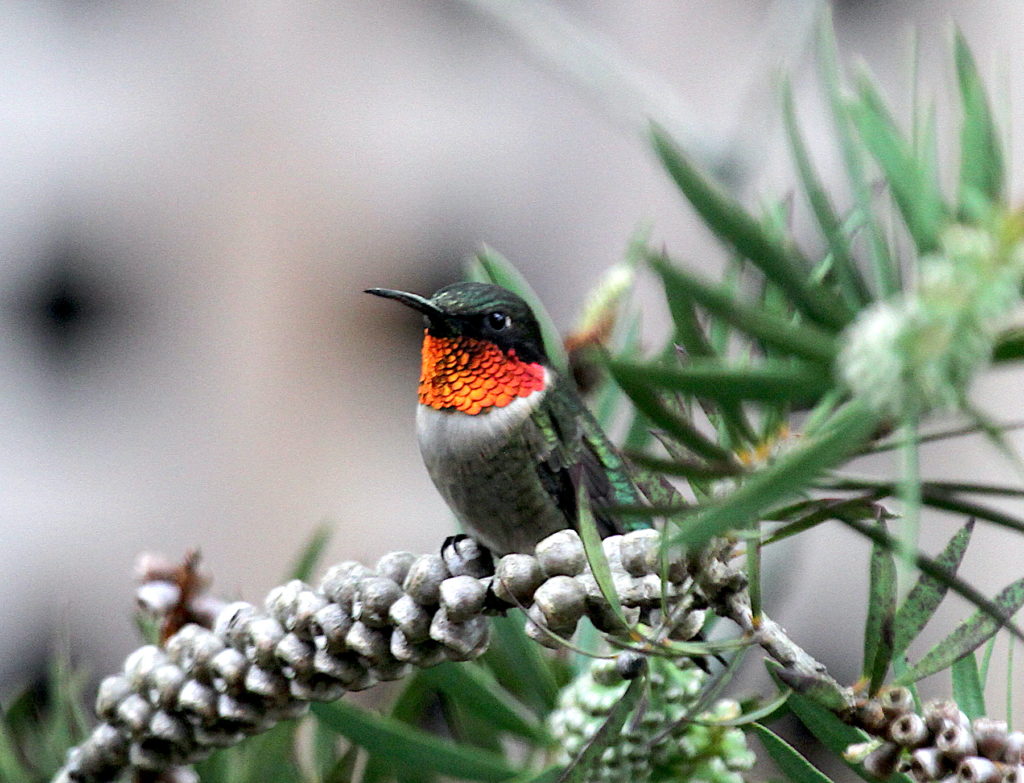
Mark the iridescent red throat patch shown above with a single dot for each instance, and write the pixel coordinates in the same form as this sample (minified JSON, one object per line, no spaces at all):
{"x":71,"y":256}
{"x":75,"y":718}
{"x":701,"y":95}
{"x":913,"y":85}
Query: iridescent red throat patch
{"x":472,"y":375}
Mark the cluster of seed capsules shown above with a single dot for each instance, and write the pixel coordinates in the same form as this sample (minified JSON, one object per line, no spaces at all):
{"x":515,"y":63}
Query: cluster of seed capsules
{"x":209,"y":688}
{"x":940,"y":743}
{"x":659,"y":736}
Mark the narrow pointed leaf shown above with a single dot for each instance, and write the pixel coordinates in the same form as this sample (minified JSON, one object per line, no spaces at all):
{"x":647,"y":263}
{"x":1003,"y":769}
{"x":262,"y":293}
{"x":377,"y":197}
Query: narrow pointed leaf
{"x":649,"y":404}
{"x":967,"y":690}
{"x":11,"y":769}
{"x":520,"y":667}
{"x":847,"y":431}
{"x":492,"y":267}
{"x":970,"y":634}
{"x":917,"y":195}
{"x":311,"y":553}
{"x":847,"y":273}
{"x":886,"y":272}
{"x":610,"y":728}
{"x":986,"y":606}
{"x":410,"y":747}
{"x":802,"y":340}
{"x":878,"y":628}
{"x":767,"y":381}
{"x":927,"y":593}
{"x":690,"y":469}
{"x":791,"y":764}
{"x":595,"y":554}
{"x":781,"y":263}
{"x":476,"y":689}
{"x":948,"y":502}
{"x":981,"y":157}
{"x":344,"y":769}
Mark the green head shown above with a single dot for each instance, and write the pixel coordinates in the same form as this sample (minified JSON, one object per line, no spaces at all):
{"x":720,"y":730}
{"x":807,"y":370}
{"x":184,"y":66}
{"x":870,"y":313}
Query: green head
{"x":481,"y":311}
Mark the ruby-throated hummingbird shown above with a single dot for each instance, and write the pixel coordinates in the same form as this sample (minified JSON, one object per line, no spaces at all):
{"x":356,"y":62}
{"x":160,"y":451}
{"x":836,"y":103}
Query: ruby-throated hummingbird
{"x":505,"y":437}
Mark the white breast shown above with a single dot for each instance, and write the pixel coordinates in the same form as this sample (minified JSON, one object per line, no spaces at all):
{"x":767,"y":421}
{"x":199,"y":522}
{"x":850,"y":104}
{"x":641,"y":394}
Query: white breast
{"x":450,"y":434}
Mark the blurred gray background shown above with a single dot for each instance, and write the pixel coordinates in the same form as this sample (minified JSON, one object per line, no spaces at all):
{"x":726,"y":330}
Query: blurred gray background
{"x":194,"y":196}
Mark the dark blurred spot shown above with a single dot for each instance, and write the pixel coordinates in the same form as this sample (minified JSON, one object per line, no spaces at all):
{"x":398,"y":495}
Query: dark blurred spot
{"x":65,"y":306}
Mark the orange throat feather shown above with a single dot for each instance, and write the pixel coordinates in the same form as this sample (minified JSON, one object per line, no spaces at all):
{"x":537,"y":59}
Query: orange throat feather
{"x":473,"y":376}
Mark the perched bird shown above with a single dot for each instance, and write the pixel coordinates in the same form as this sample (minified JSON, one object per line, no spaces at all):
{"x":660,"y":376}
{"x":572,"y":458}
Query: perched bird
{"x":504,"y":436}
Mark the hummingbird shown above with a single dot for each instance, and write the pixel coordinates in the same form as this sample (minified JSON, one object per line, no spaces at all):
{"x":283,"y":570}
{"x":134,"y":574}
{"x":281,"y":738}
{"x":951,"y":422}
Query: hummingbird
{"x":505,"y":437}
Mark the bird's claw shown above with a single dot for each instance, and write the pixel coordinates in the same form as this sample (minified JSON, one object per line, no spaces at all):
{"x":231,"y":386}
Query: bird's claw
{"x":464,"y":556}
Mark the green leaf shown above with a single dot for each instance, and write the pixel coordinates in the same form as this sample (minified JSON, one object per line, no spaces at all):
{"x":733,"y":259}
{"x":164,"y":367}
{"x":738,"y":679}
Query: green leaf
{"x":309,"y":558}
{"x":886,"y":271}
{"x":519,"y":665}
{"x":11,"y":769}
{"x":878,"y":628}
{"x":916,"y":193}
{"x":612,"y":724}
{"x":981,"y":158}
{"x":795,"y":767}
{"x":595,"y":554}
{"x":768,"y":381}
{"x":927,"y":593}
{"x":967,"y":690}
{"x":689,"y":469}
{"x":848,"y":429}
{"x":492,"y":267}
{"x":970,"y":634}
{"x":850,"y":281}
{"x":805,"y":341}
{"x":478,"y":691}
{"x":780,"y":262}
{"x":344,"y":769}
{"x":411,"y":747}
{"x":650,"y":405}
{"x":926,"y":564}
{"x":1009,"y":346}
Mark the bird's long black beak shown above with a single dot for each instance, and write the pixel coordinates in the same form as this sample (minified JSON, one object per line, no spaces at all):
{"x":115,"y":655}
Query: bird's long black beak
{"x":415,"y":301}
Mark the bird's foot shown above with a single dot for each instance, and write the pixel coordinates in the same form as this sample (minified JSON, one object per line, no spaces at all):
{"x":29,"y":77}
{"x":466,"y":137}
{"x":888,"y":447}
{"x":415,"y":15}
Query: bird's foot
{"x":464,"y":556}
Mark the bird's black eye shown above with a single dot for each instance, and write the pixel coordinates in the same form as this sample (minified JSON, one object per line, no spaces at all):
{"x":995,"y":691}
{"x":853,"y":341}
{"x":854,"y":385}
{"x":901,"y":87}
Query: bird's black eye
{"x":498,"y":321}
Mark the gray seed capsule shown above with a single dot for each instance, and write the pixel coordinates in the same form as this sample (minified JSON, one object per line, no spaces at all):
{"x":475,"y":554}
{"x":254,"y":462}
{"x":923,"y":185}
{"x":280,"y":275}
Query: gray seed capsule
{"x":229,"y":667}
{"x":937,"y":713}
{"x":166,"y":681}
{"x":423,"y":582}
{"x":562,"y":602}
{"x":991,"y":737}
{"x":334,"y":622}
{"x":374,"y":644}
{"x":157,"y":598}
{"x":237,"y":710}
{"x":297,"y":654}
{"x":411,"y":618}
{"x":395,"y":566}
{"x":462,"y":597}
{"x":896,"y":701}
{"x":232,"y":623}
{"x":303,"y":620}
{"x":112,"y":691}
{"x":325,"y":689}
{"x":612,"y":546}
{"x":140,"y":664}
{"x":688,"y":626}
{"x":199,"y":700}
{"x":265,"y":633}
{"x":340,"y":582}
{"x":270,"y":684}
{"x":928,"y":764}
{"x":536,"y":628}
{"x":909,"y":730}
{"x":134,"y":713}
{"x":373,"y":600}
{"x":562,"y":554}
{"x":975,"y":769}
{"x":1014,"y":753}
{"x":882,"y":761}
{"x":464,"y":640}
{"x":640,"y":552}
{"x":390,"y":669}
{"x":192,"y":648}
{"x":344,"y":668}
{"x":423,"y":654}
{"x":164,"y":726}
{"x":516,"y":578}
{"x":465,"y":557}
{"x":955,"y":741}
{"x":221,"y":736}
